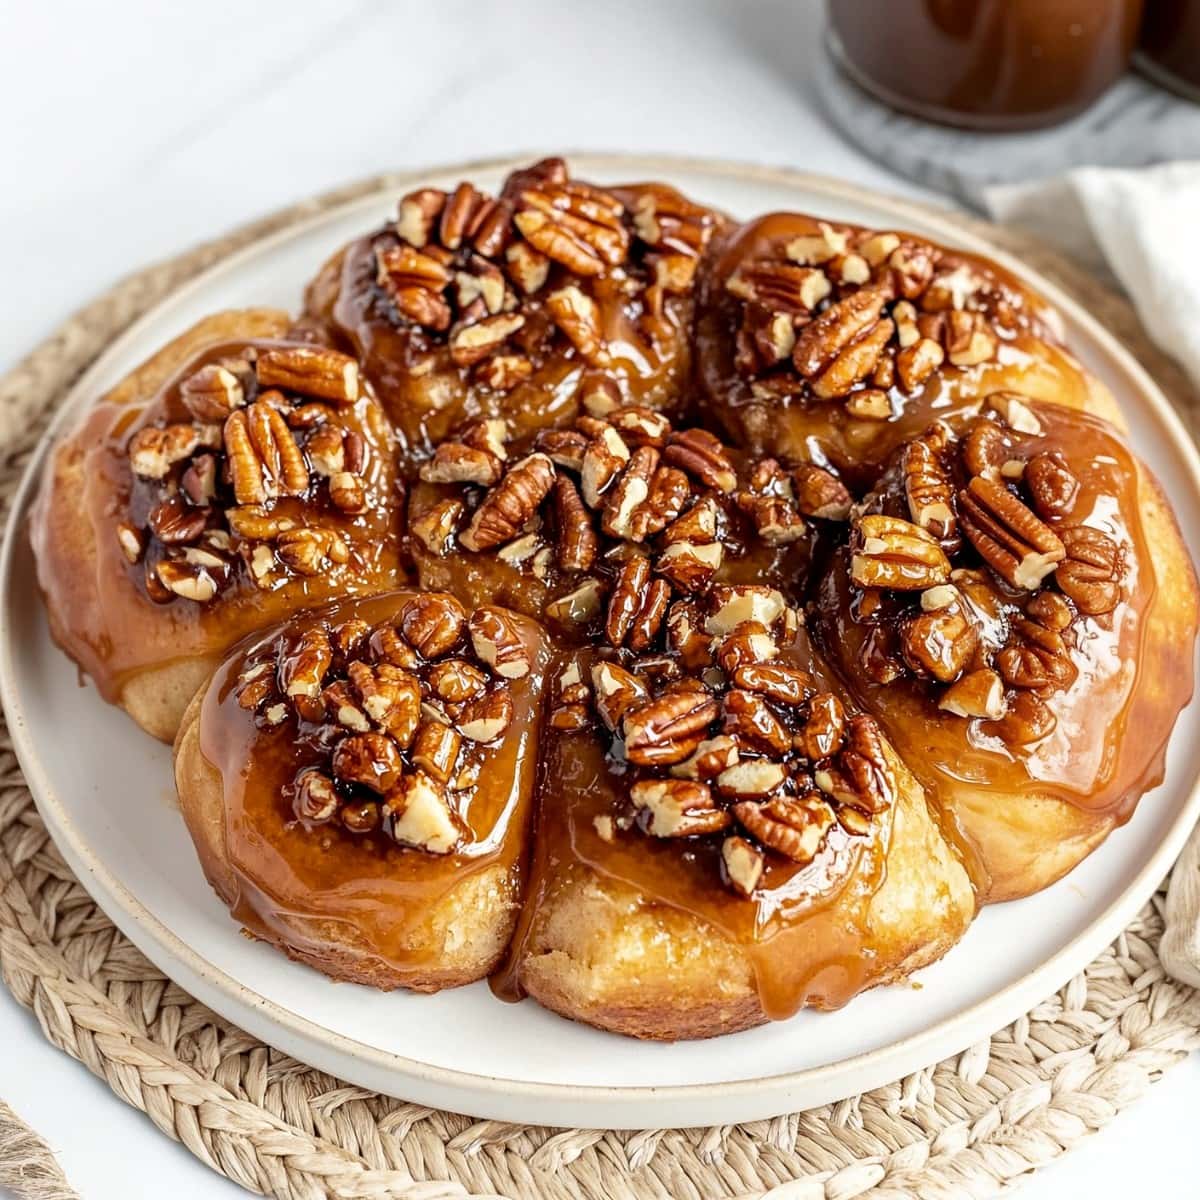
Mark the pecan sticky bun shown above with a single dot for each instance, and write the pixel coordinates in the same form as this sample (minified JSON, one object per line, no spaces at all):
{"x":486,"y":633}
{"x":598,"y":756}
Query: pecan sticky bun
{"x":999,"y":604}
{"x":522,"y":303}
{"x":236,"y":477}
{"x":359,"y":781}
{"x":822,"y":339}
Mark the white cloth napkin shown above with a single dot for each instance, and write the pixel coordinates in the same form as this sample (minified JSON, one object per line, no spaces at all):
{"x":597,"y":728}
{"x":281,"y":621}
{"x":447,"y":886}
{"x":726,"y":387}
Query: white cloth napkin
{"x":1141,"y":228}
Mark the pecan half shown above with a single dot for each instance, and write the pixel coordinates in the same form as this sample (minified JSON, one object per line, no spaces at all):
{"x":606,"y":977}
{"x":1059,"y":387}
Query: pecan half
{"x":510,"y":504}
{"x":893,"y":553}
{"x":667,"y":729}
{"x":1019,"y":547}
{"x":1091,"y":572}
{"x":792,"y":826}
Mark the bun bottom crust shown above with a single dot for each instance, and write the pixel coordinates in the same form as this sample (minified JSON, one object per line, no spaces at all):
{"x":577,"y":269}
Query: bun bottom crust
{"x":460,"y":939}
{"x":600,"y":951}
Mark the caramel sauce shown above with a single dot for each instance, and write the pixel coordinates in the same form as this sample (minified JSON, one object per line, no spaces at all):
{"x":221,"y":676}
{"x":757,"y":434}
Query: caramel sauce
{"x":378,"y":893}
{"x":428,"y":396}
{"x":806,"y":931}
{"x":1112,"y":722}
{"x":801,"y":429}
{"x":106,"y":620}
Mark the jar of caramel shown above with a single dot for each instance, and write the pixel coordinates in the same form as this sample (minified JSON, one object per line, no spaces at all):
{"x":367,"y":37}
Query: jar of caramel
{"x":986,"y":64}
{"x":1169,"y":51}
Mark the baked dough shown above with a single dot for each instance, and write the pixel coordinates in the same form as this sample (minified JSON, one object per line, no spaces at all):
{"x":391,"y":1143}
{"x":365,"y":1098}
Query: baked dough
{"x":424,"y":896}
{"x":236,"y":551}
{"x":523,"y":305}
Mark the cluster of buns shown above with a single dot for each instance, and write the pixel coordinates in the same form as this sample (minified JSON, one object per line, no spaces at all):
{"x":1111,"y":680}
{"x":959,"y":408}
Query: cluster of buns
{"x":679,"y":622}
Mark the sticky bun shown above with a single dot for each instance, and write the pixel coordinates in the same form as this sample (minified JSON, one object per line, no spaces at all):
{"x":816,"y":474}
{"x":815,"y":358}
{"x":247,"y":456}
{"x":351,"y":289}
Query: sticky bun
{"x":518,"y":305}
{"x":235,"y":477}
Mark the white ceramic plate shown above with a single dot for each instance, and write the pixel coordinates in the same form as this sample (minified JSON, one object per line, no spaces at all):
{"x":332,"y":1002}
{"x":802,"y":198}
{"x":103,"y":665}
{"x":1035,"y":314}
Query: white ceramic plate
{"x":106,"y":793}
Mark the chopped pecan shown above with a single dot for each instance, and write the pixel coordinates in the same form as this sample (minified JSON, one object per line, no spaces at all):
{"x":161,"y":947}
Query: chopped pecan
{"x":1019,"y":547}
{"x":603,"y":460}
{"x":927,"y":483}
{"x":455,"y":680}
{"x":671,"y":808}
{"x":786,"y":685}
{"x":579,"y":606}
{"x":175,"y":522}
{"x":977,"y":694}
{"x":433,"y":624}
{"x":709,"y":759}
{"x":390,"y":696}
{"x":824,"y":728}
{"x":751,"y":778}
{"x":509,"y":505}
{"x":314,"y":798}
{"x":577,"y":315}
{"x":310,"y":551}
{"x":1051,"y":483}
{"x":302,"y":669}
{"x":616,"y":692}
{"x":792,"y":826}
{"x":741,"y":865}
{"x":419,"y":814}
{"x":702,"y":455}
{"x":825,"y":338}
{"x":369,"y":759}
{"x":668,"y":729}
{"x":893,"y":553}
{"x":212,"y":393}
{"x":311,"y":371}
{"x":485,"y":718}
{"x":348,"y":492}
{"x":752,"y":721}
{"x":455,"y":462}
{"x":470,"y":344}
{"x":820,"y":493}
{"x":436,"y":525}
{"x":732,"y":605}
{"x":1026,"y":720}
{"x":153,"y":451}
{"x":940,"y":641}
{"x":496,"y":641}
{"x":689,"y":565}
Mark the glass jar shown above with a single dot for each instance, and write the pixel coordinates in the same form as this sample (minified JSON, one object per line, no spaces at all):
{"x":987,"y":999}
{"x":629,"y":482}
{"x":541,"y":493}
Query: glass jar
{"x":985,"y":64}
{"x":1169,"y":50}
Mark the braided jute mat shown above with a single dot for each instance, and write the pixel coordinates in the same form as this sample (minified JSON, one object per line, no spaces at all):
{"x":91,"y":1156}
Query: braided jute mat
{"x":965,"y":1127}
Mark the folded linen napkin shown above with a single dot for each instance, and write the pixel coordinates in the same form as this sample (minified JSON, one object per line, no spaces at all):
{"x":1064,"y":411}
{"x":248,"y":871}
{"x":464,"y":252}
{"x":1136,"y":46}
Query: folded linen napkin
{"x":1140,"y":229}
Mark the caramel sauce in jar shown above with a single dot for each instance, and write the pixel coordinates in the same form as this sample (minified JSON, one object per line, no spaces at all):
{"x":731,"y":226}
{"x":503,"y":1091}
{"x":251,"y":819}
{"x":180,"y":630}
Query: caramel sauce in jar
{"x":1169,"y":48}
{"x":985,"y":64}
{"x":292,"y":882}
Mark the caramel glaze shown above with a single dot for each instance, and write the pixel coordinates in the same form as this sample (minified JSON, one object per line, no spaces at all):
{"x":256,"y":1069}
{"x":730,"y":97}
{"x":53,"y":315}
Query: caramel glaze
{"x":427,"y":395}
{"x":287,"y":874}
{"x":799,"y":428}
{"x":100,"y":611}
{"x":806,"y":930}
{"x":1108,"y":745}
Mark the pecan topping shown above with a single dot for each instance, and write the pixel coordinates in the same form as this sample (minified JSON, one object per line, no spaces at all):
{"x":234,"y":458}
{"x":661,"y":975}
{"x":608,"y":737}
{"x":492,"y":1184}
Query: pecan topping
{"x":397,"y":726}
{"x":510,"y":503}
{"x":1090,"y":573}
{"x":1019,"y":547}
{"x":897,"y":554}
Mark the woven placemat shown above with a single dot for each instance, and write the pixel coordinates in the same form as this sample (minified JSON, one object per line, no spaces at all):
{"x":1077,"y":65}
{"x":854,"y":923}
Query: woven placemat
{"x":962,"y":1128}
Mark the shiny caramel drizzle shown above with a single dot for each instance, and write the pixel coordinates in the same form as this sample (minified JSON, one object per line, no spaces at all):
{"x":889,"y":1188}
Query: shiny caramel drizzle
{"x":107,"y":620}
{"x":404,"y":323}
{"x":1111,"y":722}
{"x":805,"y":929}
{"x":292,"y":880}
{"x":773,"y":410}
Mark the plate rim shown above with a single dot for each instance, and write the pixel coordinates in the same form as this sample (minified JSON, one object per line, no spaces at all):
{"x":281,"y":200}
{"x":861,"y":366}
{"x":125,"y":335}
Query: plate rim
{"x":945,"y":1038}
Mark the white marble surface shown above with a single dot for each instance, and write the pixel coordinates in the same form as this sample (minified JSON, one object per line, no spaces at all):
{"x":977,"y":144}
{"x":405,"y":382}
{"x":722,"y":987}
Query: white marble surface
{"x":132,"y":131}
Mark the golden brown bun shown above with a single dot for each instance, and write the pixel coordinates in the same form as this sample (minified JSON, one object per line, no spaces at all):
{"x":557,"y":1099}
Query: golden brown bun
{"x":149,"y":656}
{"x":360,"y":908}
{"x":63,"y":532}
{"x":460,"y":936}
{"x":601,"y":952}
{"x":1028,"y":846}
